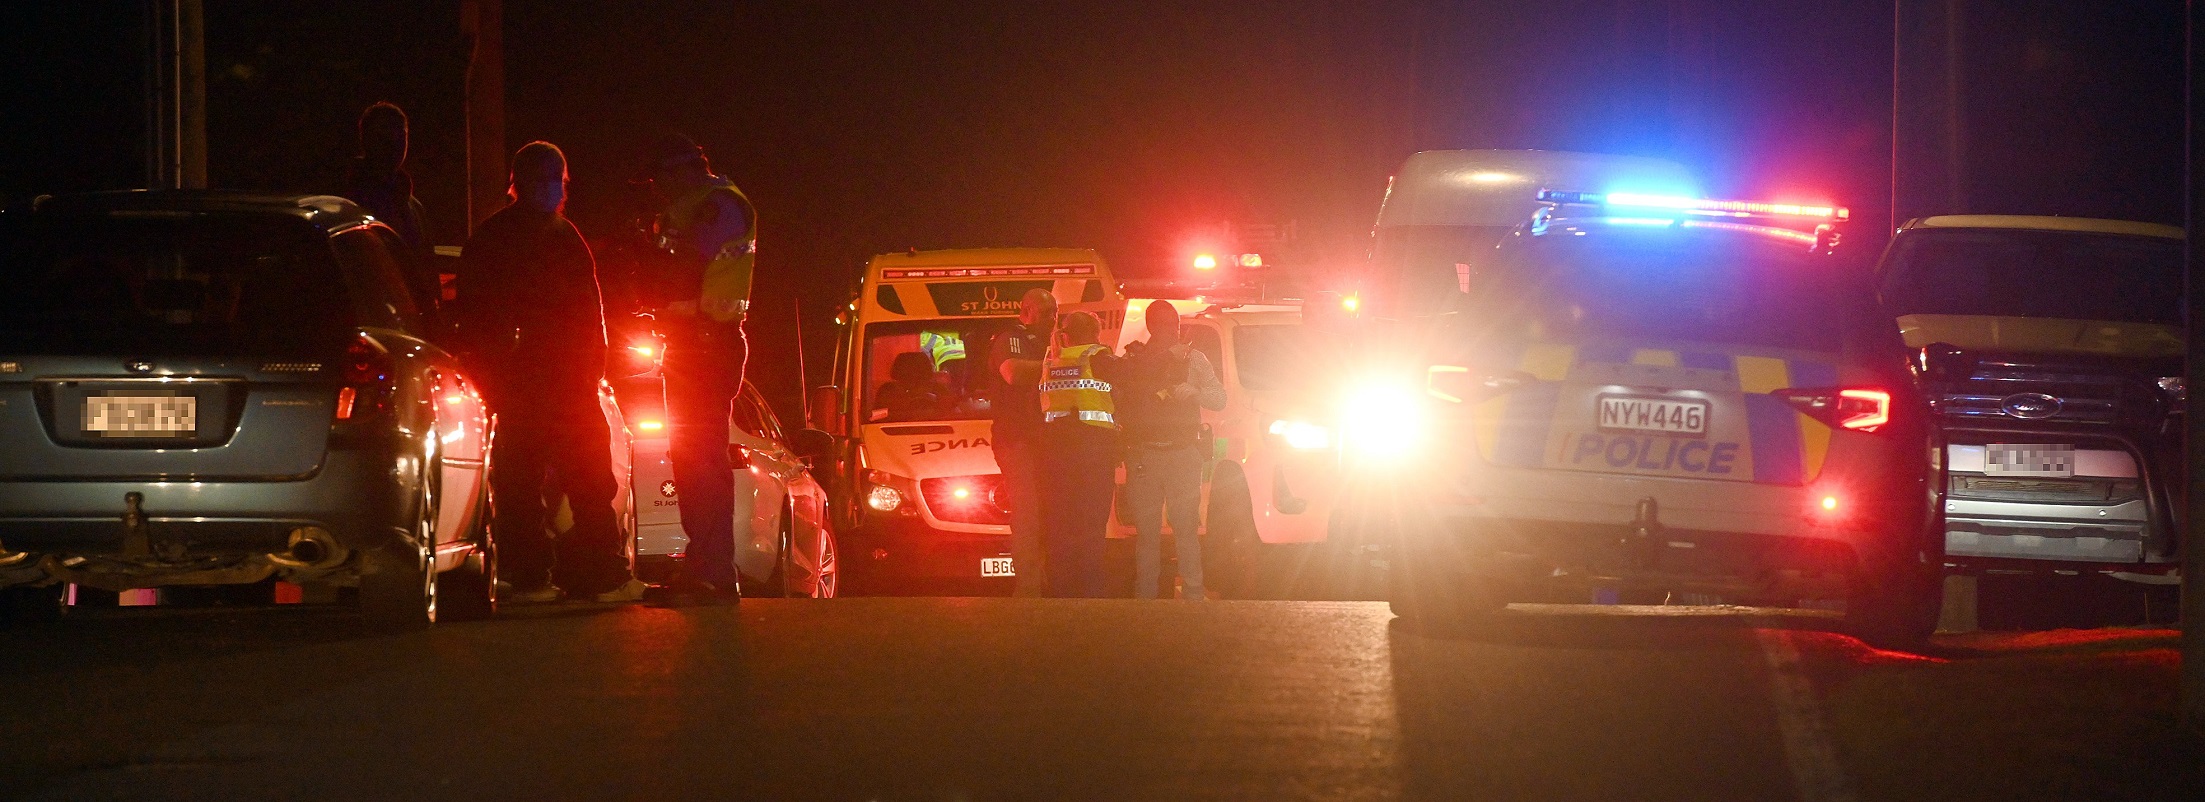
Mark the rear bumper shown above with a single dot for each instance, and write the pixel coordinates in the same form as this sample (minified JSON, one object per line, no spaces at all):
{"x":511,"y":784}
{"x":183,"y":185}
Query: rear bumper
{"x":357,"y":496}
{"x":2035,"y":536}
{"x":1727,"y":538}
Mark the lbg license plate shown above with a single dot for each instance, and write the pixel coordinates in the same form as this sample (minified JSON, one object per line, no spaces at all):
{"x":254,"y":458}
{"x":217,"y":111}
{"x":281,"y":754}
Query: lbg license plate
{"x":2029,"y":459}
{"x":1640,"y":413}
{"x":996,"y":566}
{"x":141,"y":416}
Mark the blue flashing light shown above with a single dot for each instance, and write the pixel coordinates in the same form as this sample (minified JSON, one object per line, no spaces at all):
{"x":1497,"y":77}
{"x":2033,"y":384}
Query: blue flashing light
{"x":1659,"y":222}
{"x":1695,"y":206}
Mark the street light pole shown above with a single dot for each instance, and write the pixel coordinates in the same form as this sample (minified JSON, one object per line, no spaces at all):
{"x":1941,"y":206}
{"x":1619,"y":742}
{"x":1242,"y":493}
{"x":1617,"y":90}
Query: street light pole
{"x":2193,"y":540}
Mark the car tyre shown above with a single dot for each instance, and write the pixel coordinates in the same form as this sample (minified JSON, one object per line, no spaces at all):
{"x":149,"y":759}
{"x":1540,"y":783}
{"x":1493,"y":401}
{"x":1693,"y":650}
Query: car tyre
{"x":1230,"y":546}
{"x":776,"y":585}
{"x":27,"y":604}
{"x":398,"y":583}
{"x":1896,"y":608}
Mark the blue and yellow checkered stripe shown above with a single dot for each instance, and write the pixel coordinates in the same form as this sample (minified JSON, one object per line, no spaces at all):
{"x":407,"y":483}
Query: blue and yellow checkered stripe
{"x":1786,"y":446}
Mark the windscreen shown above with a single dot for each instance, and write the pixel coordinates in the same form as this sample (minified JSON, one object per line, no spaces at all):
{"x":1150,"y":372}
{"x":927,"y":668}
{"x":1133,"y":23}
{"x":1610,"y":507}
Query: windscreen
{"x":1669,"y":284}
{"x":2053,"y":274}
{"x":930,"y":370}
{"x":197,"y":285}
{"x":1419,"y":269}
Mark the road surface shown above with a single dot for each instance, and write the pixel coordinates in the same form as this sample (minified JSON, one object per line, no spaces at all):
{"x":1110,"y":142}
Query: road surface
{"x":945,"y":699}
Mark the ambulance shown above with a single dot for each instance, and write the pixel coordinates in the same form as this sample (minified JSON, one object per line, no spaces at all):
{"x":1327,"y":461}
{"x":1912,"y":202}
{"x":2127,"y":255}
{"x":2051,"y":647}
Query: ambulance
{"x":915,"y":483}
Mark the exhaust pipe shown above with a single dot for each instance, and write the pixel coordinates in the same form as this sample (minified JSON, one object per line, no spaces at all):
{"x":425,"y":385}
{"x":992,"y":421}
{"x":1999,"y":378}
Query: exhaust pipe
{"x":311,"y":547}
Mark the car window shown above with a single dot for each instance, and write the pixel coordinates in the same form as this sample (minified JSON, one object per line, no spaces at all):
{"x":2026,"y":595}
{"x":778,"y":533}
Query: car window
{"x":769,"y":427}
{"x":929,"y":369}
{"x":152,"y":283}
{"x":2017,"y":273}
{"x":1619,"y":282}
{"x":376,"y":278}
{"x":745,"y":415}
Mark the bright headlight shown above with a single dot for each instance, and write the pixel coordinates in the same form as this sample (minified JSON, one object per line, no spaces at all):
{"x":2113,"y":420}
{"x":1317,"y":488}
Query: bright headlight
{"x":1382,"y":420}
{"x":1302,"y":435}
{"x":883,"y":498}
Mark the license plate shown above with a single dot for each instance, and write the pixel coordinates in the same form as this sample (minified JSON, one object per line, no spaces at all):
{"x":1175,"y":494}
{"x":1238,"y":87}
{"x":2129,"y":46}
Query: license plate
{"x":2029,"y":459}
{"x":1644,"y":414}
{"x":141,"y":416}
{"x":996,"y":566}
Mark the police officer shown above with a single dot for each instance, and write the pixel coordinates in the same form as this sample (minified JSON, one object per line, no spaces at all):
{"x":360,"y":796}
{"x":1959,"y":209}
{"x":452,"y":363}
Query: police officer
{"x":1166,"y":387}
{"x":708,"y":235}
{"x":1016,"y":356}
{"x":1079,"y":455}
{"x":532,"y":328}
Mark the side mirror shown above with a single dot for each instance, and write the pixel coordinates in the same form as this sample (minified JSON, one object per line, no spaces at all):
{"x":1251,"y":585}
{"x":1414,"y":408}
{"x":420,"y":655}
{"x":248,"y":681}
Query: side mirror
{"x":826,"y":409}
{"x":812,"y":444}
{"x":1944,"y":362}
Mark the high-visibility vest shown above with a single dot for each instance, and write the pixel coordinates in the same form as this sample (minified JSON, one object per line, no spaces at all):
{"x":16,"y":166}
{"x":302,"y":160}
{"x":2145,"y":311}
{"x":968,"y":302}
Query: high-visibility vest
{"x":943,"y":347}
{"x":1069,"y":388}
{"x":725,"y":295}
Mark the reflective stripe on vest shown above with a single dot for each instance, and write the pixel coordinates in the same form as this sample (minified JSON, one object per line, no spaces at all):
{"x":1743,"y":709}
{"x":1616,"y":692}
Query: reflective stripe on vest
{"x":1070,"y":390}
{"x":1090,"y":416}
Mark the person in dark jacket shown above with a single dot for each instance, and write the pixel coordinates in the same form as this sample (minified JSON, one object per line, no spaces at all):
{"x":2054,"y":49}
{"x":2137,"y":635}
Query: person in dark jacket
{"x":1160,"y":401}
{"x":1017,"y":356}
{"x":377,"y":180}
{"x":531,"y":326}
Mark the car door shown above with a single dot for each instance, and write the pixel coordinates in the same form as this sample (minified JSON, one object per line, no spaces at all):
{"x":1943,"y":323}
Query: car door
{"x":761,"y":486}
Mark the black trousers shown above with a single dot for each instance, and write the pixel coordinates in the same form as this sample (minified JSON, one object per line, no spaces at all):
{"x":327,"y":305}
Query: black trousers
{"x":551,"y":435}
{"x":1080,"y":462}
{"x":704,"y":373}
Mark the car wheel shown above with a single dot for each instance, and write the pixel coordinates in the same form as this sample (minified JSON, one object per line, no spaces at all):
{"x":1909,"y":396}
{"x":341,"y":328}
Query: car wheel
{"x":398,"y":588}
{"x":1430,"y":586}
{"x":1230,"y":545}
{"x":1897,"y":607}
{"x":826,"y":582}
{"x":26,"y":604}
{"x":470,"y":591}
{"x":776,"y":585}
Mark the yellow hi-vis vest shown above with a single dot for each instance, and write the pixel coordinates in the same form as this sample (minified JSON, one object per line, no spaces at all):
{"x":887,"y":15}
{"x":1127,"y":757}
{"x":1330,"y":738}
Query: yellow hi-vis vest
{"x":725,"y":295}
{"x":943,"y":347}
{"x":1069,"y":388}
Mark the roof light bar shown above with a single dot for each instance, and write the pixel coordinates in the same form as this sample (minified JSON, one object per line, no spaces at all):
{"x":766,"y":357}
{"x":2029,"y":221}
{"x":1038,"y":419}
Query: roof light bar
{"x":1728,"y":208}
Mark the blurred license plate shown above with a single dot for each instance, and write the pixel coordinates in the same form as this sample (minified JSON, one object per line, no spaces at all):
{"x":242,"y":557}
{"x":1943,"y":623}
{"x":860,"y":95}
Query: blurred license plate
{"x":2029,"y":459}
{"x":996,"y":566}
{"x":1642,"y":414}
{"x":141,"y":416}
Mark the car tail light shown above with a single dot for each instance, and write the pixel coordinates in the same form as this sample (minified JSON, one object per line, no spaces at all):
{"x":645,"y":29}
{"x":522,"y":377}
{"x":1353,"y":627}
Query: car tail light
{"x":1859,"y":409}
{"x":367,"y":380}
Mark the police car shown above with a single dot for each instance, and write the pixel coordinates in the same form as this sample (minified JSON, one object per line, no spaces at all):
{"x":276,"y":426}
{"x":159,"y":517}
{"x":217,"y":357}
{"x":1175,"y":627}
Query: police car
{"x":1661,"y":393}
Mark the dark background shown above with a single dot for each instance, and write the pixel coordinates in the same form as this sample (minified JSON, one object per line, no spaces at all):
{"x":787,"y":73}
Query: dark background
{"x":1129,"y":128}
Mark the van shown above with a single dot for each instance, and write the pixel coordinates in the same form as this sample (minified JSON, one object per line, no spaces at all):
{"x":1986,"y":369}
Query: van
{"x":915,"y":484}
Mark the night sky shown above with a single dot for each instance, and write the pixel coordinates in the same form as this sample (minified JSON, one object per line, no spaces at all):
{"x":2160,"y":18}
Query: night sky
{"x":870,"y":127}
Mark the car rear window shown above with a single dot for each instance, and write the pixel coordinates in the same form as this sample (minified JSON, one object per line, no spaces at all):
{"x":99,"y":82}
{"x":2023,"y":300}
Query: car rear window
{"x":151,"y":283}
{"x":1618,"y":282}
{"x":2017,"y":273}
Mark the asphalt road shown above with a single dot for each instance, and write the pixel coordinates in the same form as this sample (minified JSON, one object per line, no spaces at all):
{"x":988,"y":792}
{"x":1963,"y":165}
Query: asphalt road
{"x":947,"y":698}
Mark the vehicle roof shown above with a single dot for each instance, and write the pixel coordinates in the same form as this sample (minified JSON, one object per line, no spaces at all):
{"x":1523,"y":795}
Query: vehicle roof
{"x":986,"y":257}
{"x":326,"y":212}
{"x":2047,"y":223}
{"x":1500,"y":187}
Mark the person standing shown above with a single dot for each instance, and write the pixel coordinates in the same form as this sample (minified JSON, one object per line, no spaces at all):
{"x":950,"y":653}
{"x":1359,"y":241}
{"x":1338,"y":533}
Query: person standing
{"x":1017,"y":356}
{"x":708,"y":236}
{"x":377,"y":180}
{"x":531,"y":327}
{"x":1079,"y":456}
{"x":1167,"y":385}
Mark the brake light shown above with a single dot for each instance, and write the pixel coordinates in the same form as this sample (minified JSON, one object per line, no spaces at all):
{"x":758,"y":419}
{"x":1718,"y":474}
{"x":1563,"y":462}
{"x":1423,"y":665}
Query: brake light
{"x":367,"y":379}
{"x":1858,"y":409}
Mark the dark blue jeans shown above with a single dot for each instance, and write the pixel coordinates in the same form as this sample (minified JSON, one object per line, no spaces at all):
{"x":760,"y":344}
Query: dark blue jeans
{"x":704,"y":373}
{"x":1080,"y":462}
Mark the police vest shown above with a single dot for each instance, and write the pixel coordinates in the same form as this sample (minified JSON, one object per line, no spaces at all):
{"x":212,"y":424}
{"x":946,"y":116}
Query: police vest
{"x":725,"y":295}
{"x":943,"y":347}
{"x":1069,"y":389}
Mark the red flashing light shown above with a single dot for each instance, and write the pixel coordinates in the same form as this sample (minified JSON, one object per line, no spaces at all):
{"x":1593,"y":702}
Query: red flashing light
{"x":1205,"y":262}
{"x":1861,"y":410}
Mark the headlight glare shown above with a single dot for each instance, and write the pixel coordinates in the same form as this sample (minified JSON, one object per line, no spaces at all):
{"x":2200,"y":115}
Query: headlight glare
{"x":1383,"y":420}
{"x":1302,"y":435}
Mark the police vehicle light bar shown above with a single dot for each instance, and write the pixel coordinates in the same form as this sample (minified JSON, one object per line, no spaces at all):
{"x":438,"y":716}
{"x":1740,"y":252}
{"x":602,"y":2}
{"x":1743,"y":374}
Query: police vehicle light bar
{"x":1722,"y":208}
